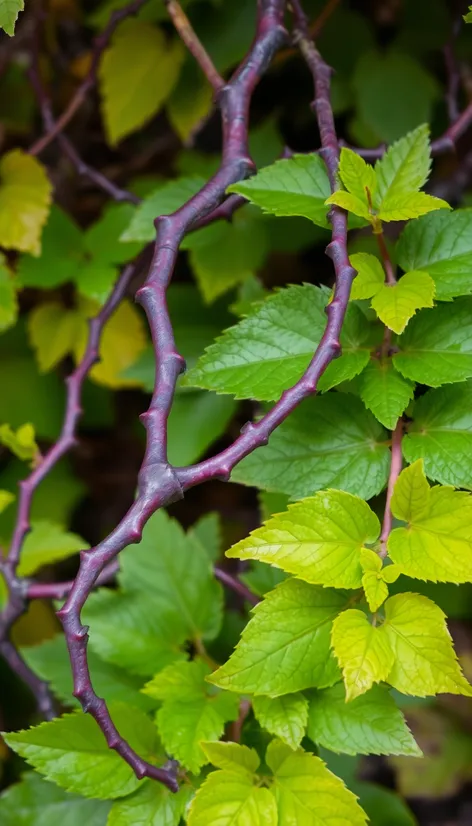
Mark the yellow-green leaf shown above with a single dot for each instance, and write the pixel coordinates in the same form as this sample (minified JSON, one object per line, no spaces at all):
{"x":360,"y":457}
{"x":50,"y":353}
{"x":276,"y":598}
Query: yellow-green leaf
{"x":350,"y":202}
{"x":396,"y":303}
{"x":362,"y":650}
{"x":137,"y":74}
{"x":357,"y":175}
{"x":123,"y":339}
{"x":228,"y":798}
{"x":6,"y":498}
{"x":307,"y":793}
{"x":375,"y":589}
{"x":318,"y":539}
{"x":436,"y":544}
{"x":9,"y":10}
{"x":8,"y":299}
{"x":22,"y":442}
{"x":370,"y":275}
{"x":54,"y":332}
{"x":425,"y":662}
{"x":407,"y":205}
{"x":25,"y":196}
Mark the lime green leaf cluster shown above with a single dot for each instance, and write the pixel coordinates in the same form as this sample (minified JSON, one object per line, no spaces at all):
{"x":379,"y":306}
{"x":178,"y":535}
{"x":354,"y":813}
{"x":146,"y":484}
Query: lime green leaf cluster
{"x":285,"y":647}
{"x":390,"y":191}
{"x":9,"y":10}
{"x":396,"y":303}
{"x":436,"y":543}
{"x":269,"y":350}
{"x":25,"y":197}
{"x":137,"y":74}
{"x":375,"y":578}
{"x":191,"y":712}
{"x":152,"y":803}
{"x":301,"y":788}
{"x":318,"y":539}
{"x":468,"y":16}
{"x":72,"y":752}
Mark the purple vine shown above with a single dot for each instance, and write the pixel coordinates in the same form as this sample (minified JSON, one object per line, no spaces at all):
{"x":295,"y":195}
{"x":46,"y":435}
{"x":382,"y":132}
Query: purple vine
{"x":159,"y":483}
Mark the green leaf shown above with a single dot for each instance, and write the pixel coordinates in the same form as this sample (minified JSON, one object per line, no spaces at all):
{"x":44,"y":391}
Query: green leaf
{"x":149,"y":639}
{"x":441,"y":435}
{"x":191,"y":711}
{"x":228,"y":798}
{"x":137,"y":74}
{"x":25,"y":196}
{"x":151,"y":805}
{"x":293,"y":186}
{"x":318,"y":539}
{"x":22,"y":443}
{"x":352,"y":203}
{"x":190,"y":103}
{"x":385,"y":392}
{"x":286,"y":645}
{"x":50,"y":660}
{"x":102,"y":240}
{"x":468,"y":17}
{"x":362,"y":650}
{"x":209,"y":533}
{"x":72,"y":752}
{"x":95,"y":280}
{"x":306,"y":792}
{"x":425,"y":661}
{"x":232,"y":757}
{"x":53,"y":333}
{"x":375,"y":589}
{"x":370,"y":724}
{"x":394,"y":93}
{"x":441,"y":245}
{"x":324,"y":443}
{"x":210,"y":415}
{"x":268,"y":351}
{"x":234,"y":253}
{"x":436,"y":347}
{"x":405,"y":167}
{"x":285,"y":717}
{"x":357,"y":175}
{"x":61,"y":254}
{"x":370,"y":275}
{"x":8,"y":299}
{"x":396,"y":303}
{"x":261,"y":578}
{"x":437,"y":542}
{"x":382,"y":806}
{"x":9,"y":10}
{"x":35,"y":802}
{"x":403,"y":206}
{"x":47,"y":543}
{"x":164,"y":200}
{"x":179,"y":577}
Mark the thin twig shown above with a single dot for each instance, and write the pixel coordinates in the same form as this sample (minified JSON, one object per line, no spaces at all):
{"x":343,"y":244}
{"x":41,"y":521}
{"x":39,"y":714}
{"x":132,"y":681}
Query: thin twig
{"x":395,"y":470}
{"x":386,"y":260}
{"x":39,"y":688}
{"x":59,"y":590}
{"x":100,"y":44}
{"x":235,"y":584}
{"x":194,"y":45}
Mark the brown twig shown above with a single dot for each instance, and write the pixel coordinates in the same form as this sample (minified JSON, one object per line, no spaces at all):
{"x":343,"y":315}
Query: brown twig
{"x":395,"y":470}
{"x":195,"y":47}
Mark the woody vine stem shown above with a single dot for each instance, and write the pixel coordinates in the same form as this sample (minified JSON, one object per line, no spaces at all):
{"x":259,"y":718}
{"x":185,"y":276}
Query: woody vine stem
{"x":159,"y":483}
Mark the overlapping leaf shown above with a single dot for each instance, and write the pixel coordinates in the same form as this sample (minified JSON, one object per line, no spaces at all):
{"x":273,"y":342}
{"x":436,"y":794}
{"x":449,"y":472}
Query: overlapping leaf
{"x":441,"y":435}
{"x":369,"y":724}
{"x":362,"y":650}
{"x":318,"y":539}
{"x":286,"y":645}
{"x":285,"y":717}
{"x":268,"y":351}
{"x":324,"y":443}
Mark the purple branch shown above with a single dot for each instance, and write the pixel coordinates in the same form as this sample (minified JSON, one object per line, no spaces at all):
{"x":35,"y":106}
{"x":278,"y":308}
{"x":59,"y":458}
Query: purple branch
{"x":59,"y":590}
{"x":235,"y":584}
{"x":158,"y":483}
